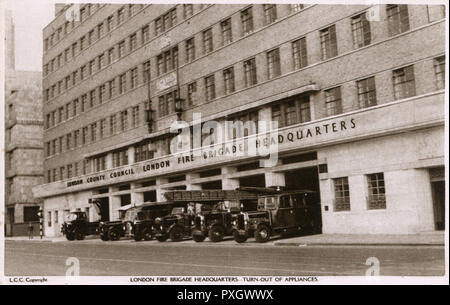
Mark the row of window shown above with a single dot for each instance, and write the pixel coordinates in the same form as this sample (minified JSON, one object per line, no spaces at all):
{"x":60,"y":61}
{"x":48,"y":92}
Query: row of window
{"x":166,"y":61}
{"x":376,"y":198}
{"x":98,"y":130}
{"x":76,"y":16}
{"x":142,"y":152}
{"x":162,"y":24}
{"x":116,"y":86}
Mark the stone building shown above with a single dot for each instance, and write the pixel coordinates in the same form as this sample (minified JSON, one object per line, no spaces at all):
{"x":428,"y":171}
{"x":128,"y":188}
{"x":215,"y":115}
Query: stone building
{"x":23,"y":141}
{"x":357,"y":92}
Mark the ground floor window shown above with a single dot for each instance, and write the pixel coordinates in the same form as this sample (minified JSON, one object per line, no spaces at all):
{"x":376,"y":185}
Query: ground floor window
{"x":30,"y":214}
{"x":377,"y":192}
{"x":341,"y":194}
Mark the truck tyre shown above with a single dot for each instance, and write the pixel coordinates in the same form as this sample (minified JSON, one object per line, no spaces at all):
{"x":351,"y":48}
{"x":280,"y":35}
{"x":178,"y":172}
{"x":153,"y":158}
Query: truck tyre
{"x":176,"y":234}
{"x":78,"y":234}
{"x":239,"y":238}
{"x":216,"y":233}
{"x":262,"y":234}
{"x":198,"y":238}
{"x":104,"y":237}
{"x":162,"y":238}
{"x":113,"y":234}
{"x":70,"y":236}
{"x":147,"y":234}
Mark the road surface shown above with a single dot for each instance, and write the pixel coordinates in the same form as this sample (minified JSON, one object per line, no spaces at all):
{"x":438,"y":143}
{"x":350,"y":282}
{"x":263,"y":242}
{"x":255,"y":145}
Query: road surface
{"x":187,"y":258}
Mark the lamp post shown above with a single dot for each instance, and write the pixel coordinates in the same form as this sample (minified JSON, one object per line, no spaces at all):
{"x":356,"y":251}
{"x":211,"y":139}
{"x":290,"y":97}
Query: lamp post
{"x":149,"y":115}
{"x":179,"y":107}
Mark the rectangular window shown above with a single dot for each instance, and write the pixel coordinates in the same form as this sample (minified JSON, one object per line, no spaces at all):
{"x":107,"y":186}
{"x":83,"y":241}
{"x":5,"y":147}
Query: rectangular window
{"x":404,"y":83}
{"x":84,"y":135}
{"x":296,"y":7}
{"x":361,"y":31}
{"x":188,"y":10}
{"x":292,"y":111}
{"x":341,"y":194}
{"x":166,"y":104}
{"x":91,"y":67}
{"x":192,"y":91}
{"x":207,"y":41}
{"x":133,"y":42}
{"x":76,"y":136}
{"x":74,"y":77}
{"x":146,"y":34}
{"x":91,"y":37}
{"x":121,"y":49}
{"x":121,"y":15}
{"x":270,"y":13}
{"x":146,"y":71}
{"x":122,"y":83}
{"x":299,"y":53}
{"x":123,"y":120}
{"x":69,"y":171}
{"x":159,"y":26}
{"x":92,"y":96}
{"x":93,"y":132}
{"x":112,"y":88}
{"x":227,"y":35}
{"x":134,"y":78}
{"x":247,"y":21}
{"x":273,"y":64}
{"x":328,"y":42}
{"x":439,"y":70}
{"x":101,"y":61}
{"x":83,"y":72}
{"x":143,"y":152}
{"x":102,"y":128}
{"x":250,"y":72}
{"x":75,"y":107}
{"x":82,"y":43}
{"x":135,"y":113}
{"x":398,"y":19}
{"x":68,"y":141}
{"x":62,"y":170}
{"x":210,"y":88}
{"x":110,"y":23}
{"x":367,"y":96}
{"x":112,"y":124}
{"x":102,"y":93}
{"x":111,"y":55}
{"x":190,"y":50}
{"x":84,"y":101}
{"x":167,"y":61}
{"x":333,"y":103}
{"x":228,"y":77}
{"x":377,"y":192}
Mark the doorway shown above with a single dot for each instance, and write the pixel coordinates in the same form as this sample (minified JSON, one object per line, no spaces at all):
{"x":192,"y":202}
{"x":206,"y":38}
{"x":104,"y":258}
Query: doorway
{"x":438,"y":189}
{"x":104,"y":209}
{"x":255,"y":181}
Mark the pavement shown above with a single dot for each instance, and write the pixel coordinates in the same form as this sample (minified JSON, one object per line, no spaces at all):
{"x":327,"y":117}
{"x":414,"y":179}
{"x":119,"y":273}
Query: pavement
{"x":435,"y":238}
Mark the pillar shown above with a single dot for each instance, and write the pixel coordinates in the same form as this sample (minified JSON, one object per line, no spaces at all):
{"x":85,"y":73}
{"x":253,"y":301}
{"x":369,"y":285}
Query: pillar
{"x":229,"y":183}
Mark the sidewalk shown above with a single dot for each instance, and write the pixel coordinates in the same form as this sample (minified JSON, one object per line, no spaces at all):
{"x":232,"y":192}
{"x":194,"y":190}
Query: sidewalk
{"x":436,"y":238}
{"x":44,"y":238}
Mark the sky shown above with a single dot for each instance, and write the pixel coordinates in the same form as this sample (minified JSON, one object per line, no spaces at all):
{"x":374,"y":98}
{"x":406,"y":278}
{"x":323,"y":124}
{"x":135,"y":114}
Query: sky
{"x":30,"y":17}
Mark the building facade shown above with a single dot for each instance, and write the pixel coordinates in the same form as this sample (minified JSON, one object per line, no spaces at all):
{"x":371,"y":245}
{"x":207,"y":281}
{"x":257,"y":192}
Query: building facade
{"x":23,"y":141}
{"x":357,"y":93}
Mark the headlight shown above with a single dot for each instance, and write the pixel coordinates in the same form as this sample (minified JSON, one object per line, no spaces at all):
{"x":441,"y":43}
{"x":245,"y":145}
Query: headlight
{"x":234,"y":222}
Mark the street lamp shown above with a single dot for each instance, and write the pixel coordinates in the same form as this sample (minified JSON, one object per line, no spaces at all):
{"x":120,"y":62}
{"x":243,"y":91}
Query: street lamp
{"x":178,"y":107}
{"x":149,"y":115}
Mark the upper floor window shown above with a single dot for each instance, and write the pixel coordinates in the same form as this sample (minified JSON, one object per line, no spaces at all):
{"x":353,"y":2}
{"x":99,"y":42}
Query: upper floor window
{"x":146,"y":34}
{"x":190,"y":49}
{"x":143,"y":152}
{"x":166,"y":103}
{"x":228,"y":77}
{"x":135,"y":116}
{"x":188,"y":10}
{"x":121,"y":15}
{"x":110,"y":23}
{"x":250,"y":72}
{"x":299,"y":53}
{"x":167,"y":61}
{"x":122,"y":83}
{"x":367,"y":96}
{"x":134,"y":78}
{"x":273,"y":63}
{"x":133,"y":42}
{"x":192,"y":91}
{"x":328,"y":42}
{"x":227,"y":36}
{"x":333,"y":102}
{"x":207,"y":41}
{"x":439,"y":70}
{"x":146,"y":71}
{"x":121,"y":48}
{"x":361,"y":31}
{"x":297,"y":7}
{"x":398,"y":19}
{"x":247,"y":20}
{"x":404,"y":83}
{"x":270,"y":13}
{"x":210,"y":88}
{"x":292,"y":111}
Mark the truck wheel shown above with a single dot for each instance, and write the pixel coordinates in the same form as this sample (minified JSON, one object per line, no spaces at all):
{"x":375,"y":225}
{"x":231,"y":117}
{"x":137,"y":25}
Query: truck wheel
{"x":104,"y":237}
{"x":176,"y":234}
{"x":239,"y":238}
{"x":147,"y":234}
{"x":162,"y":238}
{"x":78,"y":235}
{"x":198,"y":238}
{"x":113,"y":234}
{"x":262,"y":234}
{"x":70,"y":236}
{"x":216,"y":233}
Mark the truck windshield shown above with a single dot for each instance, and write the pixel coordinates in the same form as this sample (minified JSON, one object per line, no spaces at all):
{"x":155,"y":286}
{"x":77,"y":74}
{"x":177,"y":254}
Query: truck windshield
{"x":71,"y":217}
